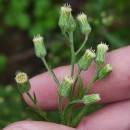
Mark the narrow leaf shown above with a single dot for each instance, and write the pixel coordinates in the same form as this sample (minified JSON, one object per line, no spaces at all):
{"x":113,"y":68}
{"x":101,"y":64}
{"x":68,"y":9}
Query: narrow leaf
{"x":35,"y":115}
{"x":34,"y":98}
{"x":80,"y":92}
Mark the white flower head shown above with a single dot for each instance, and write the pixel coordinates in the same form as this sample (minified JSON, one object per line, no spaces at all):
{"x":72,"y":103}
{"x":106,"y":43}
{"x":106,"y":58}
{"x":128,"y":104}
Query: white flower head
{"x":82,"y":17}
{"x":108,"y":67}
{"x":105,"y":71}
{"x":102,"y":46}
{"x":21,"y":78}
{"x":38,"y":39}
{"x":66,"y":8}
{"x":69,"y":79}
{"x":90,"y":53}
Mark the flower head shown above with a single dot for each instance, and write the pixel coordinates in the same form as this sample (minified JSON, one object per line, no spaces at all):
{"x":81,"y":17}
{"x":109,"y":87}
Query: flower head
{"x":38,"y":39}
{"x":105,"y":71}
{"x":40,"y":49}
{"x":86,"y":59}
{"x":82,"y":17}
{"x":22,"y":82}
{"x":66,"y":20}
{"x":69,"y":80}
{"x":66,"y":85}
{"x":90,"y":99}
{"x":102,"y":48}
{"x":21,"y":78}
{"x":66,"y":8}
{"x":84,"y":25}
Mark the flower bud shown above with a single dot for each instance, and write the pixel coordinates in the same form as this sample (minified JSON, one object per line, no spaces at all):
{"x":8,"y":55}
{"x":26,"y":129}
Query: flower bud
{"x":90,"y":99}
{"x":66,"y":21}
{"x":86,"y":59}
{"x":22,"y":82}
{"x":40,"y":49}
{"x":102,"y":48}
{"x":65,"y":87}
{"x":105,"y":71}
{"x":84,"y":25}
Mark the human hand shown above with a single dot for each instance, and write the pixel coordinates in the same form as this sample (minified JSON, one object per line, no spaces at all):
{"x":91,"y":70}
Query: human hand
{"x":114,"y":90}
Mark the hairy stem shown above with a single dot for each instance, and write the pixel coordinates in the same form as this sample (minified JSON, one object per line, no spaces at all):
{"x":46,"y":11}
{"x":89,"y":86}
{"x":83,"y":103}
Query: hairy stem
{"x":60,"y":109}
{"x":84,"y":42}
{"x":79,"y":117}
{"x":72,"y":53}
{"x":51,"y":71}
{"x":93,"y":79}
{"x":42,"y":113}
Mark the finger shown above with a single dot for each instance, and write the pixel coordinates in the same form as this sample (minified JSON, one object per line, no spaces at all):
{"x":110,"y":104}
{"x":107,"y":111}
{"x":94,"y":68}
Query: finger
{"x":36,"y":125}
{"x":112,"y":117}
{"x":114,"y":88}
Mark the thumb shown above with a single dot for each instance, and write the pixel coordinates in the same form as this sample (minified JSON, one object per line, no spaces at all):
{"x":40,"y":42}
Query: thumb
{"x":36,"y":125}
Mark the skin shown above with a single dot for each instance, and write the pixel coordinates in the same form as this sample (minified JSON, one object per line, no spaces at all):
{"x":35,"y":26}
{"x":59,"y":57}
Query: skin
{"x":114,"y":90}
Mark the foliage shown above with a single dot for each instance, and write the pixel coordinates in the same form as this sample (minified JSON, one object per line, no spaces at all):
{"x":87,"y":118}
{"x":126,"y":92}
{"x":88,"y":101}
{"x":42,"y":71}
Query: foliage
{"x":32,"y":16}
{"x":11,"y":106}
{"x":3,"y":63}
{"x":109,"y":20}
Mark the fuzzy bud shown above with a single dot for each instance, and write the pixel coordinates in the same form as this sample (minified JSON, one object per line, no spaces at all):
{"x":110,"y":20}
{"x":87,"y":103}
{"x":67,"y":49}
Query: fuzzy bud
{"x":84,"y":25}
{"x":66,"y":20}
{"x":40,"y":49}
{"x":65,"y":87}
{"x":105,"y":71}
{"x":22,"y":82}
{"x":86,"y":59}
{"x":90,"y":99}
{"x":102,"y":49}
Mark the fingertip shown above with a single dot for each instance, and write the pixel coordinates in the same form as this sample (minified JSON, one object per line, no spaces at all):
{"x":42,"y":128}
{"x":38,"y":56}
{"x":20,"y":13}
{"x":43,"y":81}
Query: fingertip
{"x":36,"y":125}
{"x":45,"y":88}
{"x":115,"y":116}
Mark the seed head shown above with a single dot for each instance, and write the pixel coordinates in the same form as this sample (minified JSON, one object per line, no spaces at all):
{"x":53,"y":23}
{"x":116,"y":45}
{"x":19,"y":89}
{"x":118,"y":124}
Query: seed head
{"x":84,"y":25}
{"x":90,"y":99}
{"x":39,"y":46}
{"x":66,"y":8}
{"x":66,"y":20}
{"x":21,"y":78}
{"x":22,"y":82}
{"x":86,"y":59}
{"x":82,"y":17}
{"x":102,"y":49}
{"x":66,"y":85}
{"x":105,"y":71}
{"x":38,"y":39}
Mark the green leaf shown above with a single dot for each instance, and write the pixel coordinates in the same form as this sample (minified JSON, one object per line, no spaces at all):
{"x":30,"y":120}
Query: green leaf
{"x":35,"y":114}
{"x":34,"y":98}
{"x":79,"y":117}
{"x":80,"y":92}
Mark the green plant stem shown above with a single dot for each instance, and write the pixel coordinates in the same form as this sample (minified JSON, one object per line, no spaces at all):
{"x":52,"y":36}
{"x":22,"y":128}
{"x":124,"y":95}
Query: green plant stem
{"x":68,"y":108}
{"x":65,"y":35}
{"x":73,"y":88}
{"x":51,"y":71}
{"x":72,"y":53}
{"x":84,"y":42}
{"x":60,"y":108}
{"x":79,"y":117}
{"x":42,"y":113}
{"x":93,"y":79}
{"x":79,"y":71}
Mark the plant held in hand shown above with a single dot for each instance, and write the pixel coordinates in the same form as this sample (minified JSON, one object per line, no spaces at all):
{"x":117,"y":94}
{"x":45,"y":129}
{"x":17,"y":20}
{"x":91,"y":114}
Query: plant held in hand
{"x":67,"y":88}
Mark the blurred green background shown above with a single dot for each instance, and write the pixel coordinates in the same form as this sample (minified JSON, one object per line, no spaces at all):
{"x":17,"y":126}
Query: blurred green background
{"x":20,"y":20}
